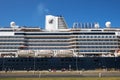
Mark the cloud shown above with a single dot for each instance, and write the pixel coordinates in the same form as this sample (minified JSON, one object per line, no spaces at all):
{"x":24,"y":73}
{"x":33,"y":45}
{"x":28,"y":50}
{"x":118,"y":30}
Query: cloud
{"x":42,"y":10}
{"x":38,"y":16}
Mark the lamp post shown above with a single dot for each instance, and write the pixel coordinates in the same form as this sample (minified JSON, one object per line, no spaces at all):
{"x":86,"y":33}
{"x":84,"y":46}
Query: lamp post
{"x":3,"y":65}
{"x":34,"y":65}
{"x":69,"y":67}
{"x":76,"y":64}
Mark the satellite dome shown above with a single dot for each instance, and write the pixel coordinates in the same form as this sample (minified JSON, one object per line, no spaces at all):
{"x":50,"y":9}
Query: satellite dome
{"x":12,"y":24}
{"x":108,"y":24}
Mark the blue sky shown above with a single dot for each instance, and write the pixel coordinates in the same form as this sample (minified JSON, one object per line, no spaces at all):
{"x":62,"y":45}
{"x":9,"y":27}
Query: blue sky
{"x":32,"y":12}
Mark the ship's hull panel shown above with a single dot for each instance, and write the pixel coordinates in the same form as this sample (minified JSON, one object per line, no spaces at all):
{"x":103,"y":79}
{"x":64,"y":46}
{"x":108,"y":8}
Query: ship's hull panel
{"x":58,"y":63}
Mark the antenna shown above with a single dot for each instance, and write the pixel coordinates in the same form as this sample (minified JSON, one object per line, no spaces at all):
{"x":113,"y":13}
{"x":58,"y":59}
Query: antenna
{"x":74,"y":25}
{"x":96,"y":25}
{"x":88,"y":26}
{"x":80,"y":25}
{"x":91,"y":24}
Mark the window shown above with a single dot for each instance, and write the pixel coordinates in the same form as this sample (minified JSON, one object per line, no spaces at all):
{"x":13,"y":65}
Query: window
{"x":87,"y":36}
{"x":91,"y":36}
{"x":98,"y":36}
{"x":106,"y":36}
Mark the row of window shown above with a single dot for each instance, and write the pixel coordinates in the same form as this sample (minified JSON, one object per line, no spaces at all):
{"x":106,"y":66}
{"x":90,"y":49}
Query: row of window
{"x":98,"y":47}
{"x":11,"y":36}
{"x":95,"y":33}
{"x":97,"y":43}
{"x":97,"y":36}
{"x":98,"y":40}
{"x":47,"y":44}
{"x":11,"y":40}
{"x":60,"y":40}
{"x":11,"y":44}
{"x":42,"y":33}
{"x":9,"y":47}
{"x":26,"y":60}
{"x":47,"y":39}
{"x":8,"y":51}
{"x":34,"y":41}
{"x":43,"y":48}
{"x":94,"y":51}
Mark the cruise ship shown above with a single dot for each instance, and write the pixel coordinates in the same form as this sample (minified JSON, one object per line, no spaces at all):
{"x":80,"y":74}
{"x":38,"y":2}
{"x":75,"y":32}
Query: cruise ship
{"x":85,"y":46}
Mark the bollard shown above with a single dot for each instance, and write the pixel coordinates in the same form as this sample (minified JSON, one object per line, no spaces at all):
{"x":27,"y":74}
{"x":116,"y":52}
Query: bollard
{"x":100,"y":75}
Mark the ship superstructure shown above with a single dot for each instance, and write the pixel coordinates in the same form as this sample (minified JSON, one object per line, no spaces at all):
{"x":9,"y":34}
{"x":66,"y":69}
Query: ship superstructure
{"x":57,"y":40}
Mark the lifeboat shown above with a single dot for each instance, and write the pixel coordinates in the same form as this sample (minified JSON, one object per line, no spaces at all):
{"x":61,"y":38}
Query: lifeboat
{"x":44,"y":53}
{"x":65,"y":53}
{"x":26,"y":53}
